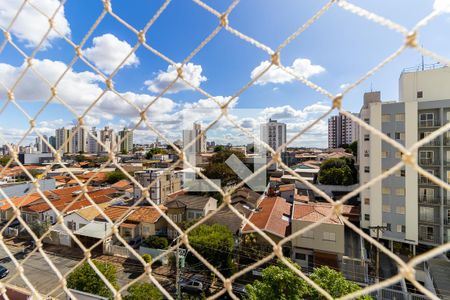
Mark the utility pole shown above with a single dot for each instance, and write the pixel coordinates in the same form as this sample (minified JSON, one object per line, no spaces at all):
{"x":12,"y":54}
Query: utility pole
{"x":180,"y":255}
{"x":377,"y":270}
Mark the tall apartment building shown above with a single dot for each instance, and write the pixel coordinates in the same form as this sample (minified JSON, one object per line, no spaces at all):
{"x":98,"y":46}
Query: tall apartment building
{"x":413,"y":209}
{"x":79,"y":140}
{"x":41,"y":146}
{"x":273,"y":133}
{"x":341,"y":131}
{"x":191,"y":134}
{"x":126,"y":140}
{"x":165,"y":183}
{"x":109,"y":139}
{"x":93,"y":146}
{"x":52,"y":141}
{"x":62,"y":139}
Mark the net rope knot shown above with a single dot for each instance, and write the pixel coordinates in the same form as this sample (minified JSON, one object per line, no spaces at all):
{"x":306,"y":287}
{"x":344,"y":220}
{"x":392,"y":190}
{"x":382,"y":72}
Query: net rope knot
{"x":408,"y":158}
{"x":141,"y":37}
{"x":224,"y":20}
{"x":275,"y":58}
{"x":411,"y":39}
{"x":337,"y":101}
{"x":107,"y":6}
{"x":7,"y":35}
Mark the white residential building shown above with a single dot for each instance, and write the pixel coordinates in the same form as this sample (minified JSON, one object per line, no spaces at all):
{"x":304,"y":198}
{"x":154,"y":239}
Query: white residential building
{"x":273,"y":133}
{"x":109,"y":139}
{"x":341,"y":131}
{"x":93,"y":146}
{"x":191,"y":134}
{"x":126,"y":140}
{"x":413,"y":209}
{"x":62,"y":136}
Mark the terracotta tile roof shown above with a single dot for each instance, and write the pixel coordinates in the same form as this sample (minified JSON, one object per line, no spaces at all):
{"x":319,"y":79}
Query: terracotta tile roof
{"x":314,"y":212}
{"x":138,"y":214}
{"x":128,"y":225}
{"x":19,"y":201}
{"x":286,"y":187}
{"x":99,"y":177}
{"x":273,"y":216}
{"x":61,"y":204}
{"x":121,"y":184}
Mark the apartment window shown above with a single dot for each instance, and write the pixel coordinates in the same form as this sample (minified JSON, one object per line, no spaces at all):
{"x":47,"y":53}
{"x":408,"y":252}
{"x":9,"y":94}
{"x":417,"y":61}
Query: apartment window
{"x":426,"y":193}
{"x":400,"y":136}
{"x":400,"y":192}
{"x":366,"y":169}
{"x":388,"y":134}
{"x":427,"y":232}
{"x":403,"y":228}
{"x":175,"y":218}
{"x":366,"y":153}
{"x":426,"y":213}
{"x":388,"y":226}
{"x":386,"y":118}
{"x":367,"y":217}
{"x":399,"y":228}
{"x":426,"y":157}
{"x":402,"y":173}
{"x":367,"y":137}
{"x":426,"y":119}
{"x":384,"y":154}
{"x":400,"y":117}
{"x":367,"y":201}
{"x":424,"y":134}
{"x":367,"y":120}
{"x":419,"y":94}
{"x":329,"y":236}
{"x":309,"y":234}
{"x":386,"y":191}
{"x":386,"y":208}
{"x":300,"y":256}
{"x":400,"y":210}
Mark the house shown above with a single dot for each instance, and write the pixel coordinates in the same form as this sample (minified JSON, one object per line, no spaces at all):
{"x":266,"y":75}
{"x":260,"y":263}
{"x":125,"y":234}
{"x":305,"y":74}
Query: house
{"x":162,"y":184}
{"x":272,"y":216}
{"x":140,"y":221}
{"x":6,"y":210}
{"x":287,"y":191}
{"x":187,"y":207}
{"x":323,"y":245}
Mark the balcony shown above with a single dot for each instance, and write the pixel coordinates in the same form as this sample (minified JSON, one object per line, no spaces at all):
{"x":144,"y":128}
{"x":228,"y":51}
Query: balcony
{"x":430,"y":200}
{"x":430,"y":238}
{"x":429,"y":162}
{"x":429,"y":123}
{"x":432,"y":143}
{"x":425,"y":181}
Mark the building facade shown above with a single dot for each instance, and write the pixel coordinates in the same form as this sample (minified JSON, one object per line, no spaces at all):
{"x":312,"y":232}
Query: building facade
{"x":126,"y":140}
{"x":273,"y":133}
{"x":192,"y":134}
{"x":411,"y":208}
{"x":162,"y":184}
{"x":109,"y":139}
{"x":341,"y":131}
{"x":62,"y":136}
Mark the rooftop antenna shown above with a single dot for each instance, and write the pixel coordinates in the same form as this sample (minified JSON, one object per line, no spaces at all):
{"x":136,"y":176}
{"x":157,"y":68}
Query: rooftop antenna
{"x":371,"y":86}
{"x":423,"y":63}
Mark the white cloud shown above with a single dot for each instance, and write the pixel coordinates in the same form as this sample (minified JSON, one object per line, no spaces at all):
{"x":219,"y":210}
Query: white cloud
{"x":301,"y":66}
{"x":108,"y":52}
{"x":191,"y":73}
{"x":442,"y":5}
{"x":30,"y":26}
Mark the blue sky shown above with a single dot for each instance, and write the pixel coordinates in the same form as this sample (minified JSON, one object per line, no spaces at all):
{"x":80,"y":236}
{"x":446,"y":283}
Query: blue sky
{"x":336,"y":50}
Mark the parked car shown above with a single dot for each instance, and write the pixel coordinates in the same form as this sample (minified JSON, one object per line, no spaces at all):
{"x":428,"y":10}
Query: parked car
{"x":3,"y":272}
{"x":135,"y":243}
{"x":195,"y":284}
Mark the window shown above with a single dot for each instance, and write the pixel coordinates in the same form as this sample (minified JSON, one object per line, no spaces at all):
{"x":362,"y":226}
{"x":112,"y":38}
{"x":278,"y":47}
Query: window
{"x":398,"y":154}
{"x":426,"y":194}
{"x":367,"y":120}
{"x":367,"y":201}
{"x":388,"y":134}
{"x":424,"y":134}
{"x":386,"y":191}
{"x":400,"y":192}
{"x":366,"y":169}
{"x":400,"y":117}
{"x":426,"y":233}
{"x":426,"y":157}
{"x":403,"y":228}
{"x":309,"y":234}
{"x":384,"y":154}
{"x":400,"y":136}
{"x":300,"y":256}
{"x":426,"y":213}
{"x":419,"y":94}
{"x":402,"y":173}
{"x":386,"y":208}
{"x":426,"y":120}
{"x":388,"y":227}
{"x":386,"y":118}
{"x":329,"y":236}
{"x":72,"y":225}
{"x":366,"y":153}
{"x":399,"y":228}
{"x":400,"y":210}
{"x":175,"y":218}
{"x":367,"y":137}
{"x":367,"y":217}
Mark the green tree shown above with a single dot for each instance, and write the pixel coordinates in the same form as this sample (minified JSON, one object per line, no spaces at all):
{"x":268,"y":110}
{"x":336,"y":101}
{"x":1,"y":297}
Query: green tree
{"x":4,"y":160}
{"x":147,"y":258}
{"x":114,"y":176}
{"x":218,"y":169}
{"x":39,"y":228}
{"x":219,"y":148}
{"x":215,"y":243}
{"x":334,"y":283}
{"x":85,"y":279}
{"x":338,"y":171}
{"x":153,"y":151}
{"x":278,"y":282}
{"x":157,"y":242}
{"x":143,"y":291}
{"x":80,"y":157}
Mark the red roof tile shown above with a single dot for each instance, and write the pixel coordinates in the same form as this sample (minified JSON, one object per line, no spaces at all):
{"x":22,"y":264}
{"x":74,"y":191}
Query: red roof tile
{"x":138,"y":214}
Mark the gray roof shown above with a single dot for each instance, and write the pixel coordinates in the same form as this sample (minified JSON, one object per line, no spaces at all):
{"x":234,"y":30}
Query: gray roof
{"x":190,"y":201}
{"x":228,"y":218}
{"x":95,"y":229}
{"x":440,"y":274}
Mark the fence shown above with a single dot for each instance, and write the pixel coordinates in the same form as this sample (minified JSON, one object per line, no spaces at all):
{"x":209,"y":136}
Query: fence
{"x":410,"y":41}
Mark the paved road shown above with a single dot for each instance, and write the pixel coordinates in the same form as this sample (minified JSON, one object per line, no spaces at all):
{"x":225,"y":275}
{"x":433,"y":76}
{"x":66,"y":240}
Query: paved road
{"x":42,"y":277}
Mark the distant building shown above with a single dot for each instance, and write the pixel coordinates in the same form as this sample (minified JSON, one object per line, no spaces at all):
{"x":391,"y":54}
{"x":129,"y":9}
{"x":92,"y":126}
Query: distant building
{"x":126,"y":140}
{"x":52,"y":141}
{"x":109,"y":140}
{"x":40,"y":144}
{"x":62,"y":140}
{"x":79,"y":140}
{"x":273,"y":133}
{"x":341,"y":131}
{"x":191,"y":134}
{"x":163,"y":183}
{"x":93,"y":146}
